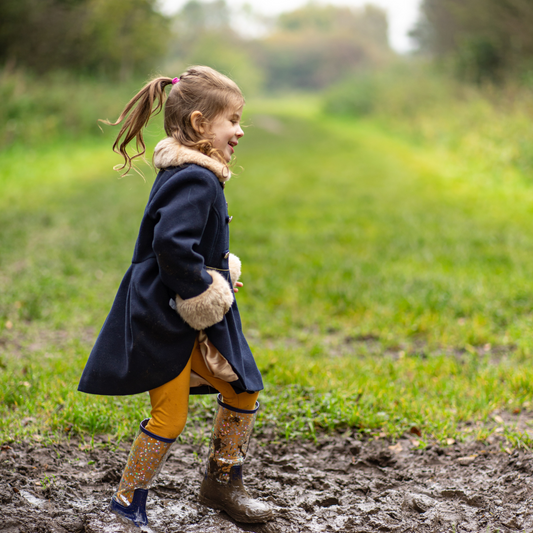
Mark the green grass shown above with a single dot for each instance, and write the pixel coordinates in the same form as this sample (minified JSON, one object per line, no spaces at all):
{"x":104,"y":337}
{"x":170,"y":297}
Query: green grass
{"x":39,"y":108}
{"x":386,"y":287}
{"x":487,"y":127}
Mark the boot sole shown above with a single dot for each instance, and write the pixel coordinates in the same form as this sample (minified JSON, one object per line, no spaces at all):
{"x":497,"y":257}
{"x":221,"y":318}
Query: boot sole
{"x":237,"y":517}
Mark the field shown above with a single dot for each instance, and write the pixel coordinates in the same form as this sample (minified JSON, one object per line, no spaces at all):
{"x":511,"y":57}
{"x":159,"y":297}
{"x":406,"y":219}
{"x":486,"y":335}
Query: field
{"x":387,"y":299}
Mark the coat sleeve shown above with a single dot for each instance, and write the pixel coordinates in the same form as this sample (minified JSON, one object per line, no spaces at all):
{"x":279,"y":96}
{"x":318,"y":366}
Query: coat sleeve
{"x":182,"y":209}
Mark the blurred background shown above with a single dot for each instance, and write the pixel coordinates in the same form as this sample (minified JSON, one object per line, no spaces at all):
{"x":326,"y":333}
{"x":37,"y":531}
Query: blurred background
{"x":395,"y":59}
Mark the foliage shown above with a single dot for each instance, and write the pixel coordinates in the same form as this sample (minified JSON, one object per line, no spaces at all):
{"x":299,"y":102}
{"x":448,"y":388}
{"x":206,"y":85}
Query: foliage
{"x":69,"y":107}
{"x":385,"y":287}
{"x":202,"y":35}
{"x":111,"y":37}
{"x":369,"y":23}
{"x":355,"y":96}
{"x":127,"y":36}
{"x":119,"y":39}
{"x":314,"y":46}
{"x":491,"y":125}
{"x":309,"y":47}
{"x":486,"y":39}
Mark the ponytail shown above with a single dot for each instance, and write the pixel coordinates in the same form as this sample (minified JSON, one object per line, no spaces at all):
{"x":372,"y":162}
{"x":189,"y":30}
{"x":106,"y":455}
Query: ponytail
{"x":147,"y":103}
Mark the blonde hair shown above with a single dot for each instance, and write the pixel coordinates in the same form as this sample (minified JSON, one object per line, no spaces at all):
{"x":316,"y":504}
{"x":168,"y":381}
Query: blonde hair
{"x":199,"y":89}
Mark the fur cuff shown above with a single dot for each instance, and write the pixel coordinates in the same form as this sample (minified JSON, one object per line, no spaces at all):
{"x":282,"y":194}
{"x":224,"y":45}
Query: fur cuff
{"x":234,"y":268}
{"x":209,"y":307}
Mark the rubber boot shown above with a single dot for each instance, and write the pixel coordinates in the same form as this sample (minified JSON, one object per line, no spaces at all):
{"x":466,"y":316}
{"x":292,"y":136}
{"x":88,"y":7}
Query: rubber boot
{"x":147,"y":456}
{"x":222,"y":487}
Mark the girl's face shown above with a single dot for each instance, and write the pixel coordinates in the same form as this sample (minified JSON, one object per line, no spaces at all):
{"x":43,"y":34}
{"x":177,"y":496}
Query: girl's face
{"x":226,"y":131}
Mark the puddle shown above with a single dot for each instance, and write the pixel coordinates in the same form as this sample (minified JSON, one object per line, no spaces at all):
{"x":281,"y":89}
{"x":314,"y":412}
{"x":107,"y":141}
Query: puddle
{"x":30,"y":498}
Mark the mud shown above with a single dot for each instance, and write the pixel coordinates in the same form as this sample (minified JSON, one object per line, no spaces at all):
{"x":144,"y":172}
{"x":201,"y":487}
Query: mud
{"x":337,"y":484}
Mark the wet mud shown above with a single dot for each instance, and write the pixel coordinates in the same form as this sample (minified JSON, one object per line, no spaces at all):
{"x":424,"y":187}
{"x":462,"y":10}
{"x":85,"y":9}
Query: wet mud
{"x":337,"y":484}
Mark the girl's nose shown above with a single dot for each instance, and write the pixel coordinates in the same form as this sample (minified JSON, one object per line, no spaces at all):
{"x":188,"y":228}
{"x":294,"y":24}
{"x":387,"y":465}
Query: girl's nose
{"x":239,"y":133}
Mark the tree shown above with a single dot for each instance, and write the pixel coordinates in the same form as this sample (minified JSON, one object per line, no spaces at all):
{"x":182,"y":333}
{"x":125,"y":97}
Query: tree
{"x":310,"y":48}
{"x":202,"y":34}
{"x":39,"y":34}
{"x":110,"y":36}
{"x":315,"y":45}
{"x":127,"y":36}
{"x":486,"y":39}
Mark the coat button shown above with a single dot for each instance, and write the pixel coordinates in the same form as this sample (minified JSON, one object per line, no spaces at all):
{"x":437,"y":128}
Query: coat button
{"x":226,"y":255}
{"x":228,"y":219}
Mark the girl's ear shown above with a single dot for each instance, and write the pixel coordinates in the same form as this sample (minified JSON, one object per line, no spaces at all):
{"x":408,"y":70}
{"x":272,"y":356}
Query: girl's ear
{"x":198,"y":122}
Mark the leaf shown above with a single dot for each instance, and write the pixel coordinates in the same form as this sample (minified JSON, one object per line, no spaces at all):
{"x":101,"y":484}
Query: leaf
{"x":396,"y":448}
{"x":415,"y":431}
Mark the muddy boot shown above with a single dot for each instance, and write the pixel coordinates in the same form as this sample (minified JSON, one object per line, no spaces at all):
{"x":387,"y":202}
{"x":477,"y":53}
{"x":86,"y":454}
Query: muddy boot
{"x":222,"y":487}
{"x":147,"y":456}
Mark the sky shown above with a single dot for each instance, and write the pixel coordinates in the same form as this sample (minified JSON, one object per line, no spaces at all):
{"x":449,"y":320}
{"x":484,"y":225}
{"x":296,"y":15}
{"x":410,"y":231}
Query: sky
{"x":402,"y":14}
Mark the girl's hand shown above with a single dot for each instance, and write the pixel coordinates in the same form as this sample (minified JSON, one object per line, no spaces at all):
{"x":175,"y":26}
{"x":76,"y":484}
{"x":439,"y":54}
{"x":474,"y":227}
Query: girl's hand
{"x":238,"y":284}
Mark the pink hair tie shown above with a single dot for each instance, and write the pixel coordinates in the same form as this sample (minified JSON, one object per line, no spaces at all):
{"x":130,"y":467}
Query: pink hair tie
{"x":175,"y":80}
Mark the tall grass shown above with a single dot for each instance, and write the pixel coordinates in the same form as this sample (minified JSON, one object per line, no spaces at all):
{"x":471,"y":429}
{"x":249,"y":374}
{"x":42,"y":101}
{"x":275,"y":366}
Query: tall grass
{"x":488,"y":124}
{"x":37,"y":109}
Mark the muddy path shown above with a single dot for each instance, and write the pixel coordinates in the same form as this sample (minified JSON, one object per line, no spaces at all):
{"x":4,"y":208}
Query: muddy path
{"x":338,"y":484}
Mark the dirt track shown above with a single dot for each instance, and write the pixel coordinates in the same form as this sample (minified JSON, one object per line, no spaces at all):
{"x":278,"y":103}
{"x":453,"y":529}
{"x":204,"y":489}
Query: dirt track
{"x":339,"y":484}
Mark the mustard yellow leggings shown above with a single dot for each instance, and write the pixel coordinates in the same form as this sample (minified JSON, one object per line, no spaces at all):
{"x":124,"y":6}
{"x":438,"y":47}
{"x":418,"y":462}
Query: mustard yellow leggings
{"x":170,"y":402}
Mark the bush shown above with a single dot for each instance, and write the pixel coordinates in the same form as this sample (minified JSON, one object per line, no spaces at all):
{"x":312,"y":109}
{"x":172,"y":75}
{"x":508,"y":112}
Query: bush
{"x":398,"y":91}
{"x":356,"y":96}
{"x":36,"y":109}
{"x":488,"y":123}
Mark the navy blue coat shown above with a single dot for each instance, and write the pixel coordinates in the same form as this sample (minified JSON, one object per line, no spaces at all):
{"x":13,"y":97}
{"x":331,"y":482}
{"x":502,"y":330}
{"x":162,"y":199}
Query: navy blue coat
{"x":182,"y":250}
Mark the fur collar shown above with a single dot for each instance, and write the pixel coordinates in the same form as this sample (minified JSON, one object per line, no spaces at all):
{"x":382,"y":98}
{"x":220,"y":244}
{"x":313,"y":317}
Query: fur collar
{"x":170,"y":153}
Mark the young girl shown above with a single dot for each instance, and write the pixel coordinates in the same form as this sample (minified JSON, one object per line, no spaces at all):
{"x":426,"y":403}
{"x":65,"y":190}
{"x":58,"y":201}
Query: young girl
{"x":174,"y":327}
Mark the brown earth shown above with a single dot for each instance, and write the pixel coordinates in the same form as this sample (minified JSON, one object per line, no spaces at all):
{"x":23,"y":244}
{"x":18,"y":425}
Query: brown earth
{"x":337,"y":484}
